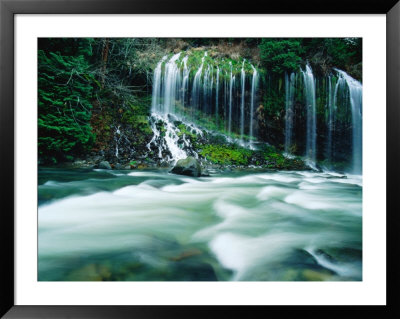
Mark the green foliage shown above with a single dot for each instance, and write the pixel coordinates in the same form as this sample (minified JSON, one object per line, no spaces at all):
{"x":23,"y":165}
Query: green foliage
{"x":281,"y":55}
{"x":225,"y":155}
{"x":89,"y":87}
{"x":64,"y":94}
{"x":183,"y":130}
{"x":288,"y":54}
{"x":195,"y":58}
{"x":274,"y":159}
{"x":336,"y":52}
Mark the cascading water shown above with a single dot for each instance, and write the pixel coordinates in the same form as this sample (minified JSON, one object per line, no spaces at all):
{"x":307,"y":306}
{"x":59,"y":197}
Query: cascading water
{"x":330,"y":123}
{"x":117,"y":138}
{"x":355,"y":90}
{"x":171,"y":78}
{"x":210,"y":91}
{"x":206,"y":85}
{"x":185,"y":79}
{"x":333,"y":90}
{"x":289,"y":103}
{"x":254,"y":83}
{"x":196,"y":85}
{"x":174,"y":96}
{"x":156,"y":96}
{"x":231,"y":83}
{"x":179,"y":97}
{"x":165,"y":94}
{"x":216,"y":97}
{"x":243,"y":80}
{"x":309,"y":92}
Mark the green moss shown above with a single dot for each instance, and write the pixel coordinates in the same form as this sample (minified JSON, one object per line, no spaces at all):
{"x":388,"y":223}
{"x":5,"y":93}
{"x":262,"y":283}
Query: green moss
{"x":225,"y":155}
{"x":195,"y":58}
{"x":183,"y":130}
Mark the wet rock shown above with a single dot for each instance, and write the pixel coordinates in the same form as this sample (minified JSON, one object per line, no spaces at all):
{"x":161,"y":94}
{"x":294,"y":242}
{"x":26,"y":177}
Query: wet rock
{"x":150,"y":162}
{"x":79,"y":163}
{"x":118,"y":166}
{"x":104,"y":165}
{"x":205,"y":173}
{"x":96,"y":159}
{"x":188,"y":166}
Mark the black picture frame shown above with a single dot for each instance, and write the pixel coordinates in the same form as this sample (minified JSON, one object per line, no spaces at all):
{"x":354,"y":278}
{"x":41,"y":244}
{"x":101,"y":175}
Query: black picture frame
{"x":9,"y":8}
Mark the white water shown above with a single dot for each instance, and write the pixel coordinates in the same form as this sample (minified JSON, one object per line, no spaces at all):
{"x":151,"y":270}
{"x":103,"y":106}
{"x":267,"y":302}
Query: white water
{"x":265,"y":226}
{"x":185,"y":79}
{"x":231,"y":83}
{"x":254,"y":83}
{"x":157,"y":87}
{"x":216,"y":97}
{"x":330,"y":119}
{"x":206,"y":88}
{"x":289,"y":108}
{"x":355,"y":89}
{"x":243,"y":92}
{"x":309,"y":90}
{"x":171,"y":78}
{"x":196,"y":85}
{"x":175,"y":94}
{"x":178,"y":147}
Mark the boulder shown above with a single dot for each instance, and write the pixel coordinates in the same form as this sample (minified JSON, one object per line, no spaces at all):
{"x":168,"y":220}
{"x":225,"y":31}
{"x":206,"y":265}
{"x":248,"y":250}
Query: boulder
{"x":118,"y":166}
{"x":104,"y":165}
{"x":79,"y":164}
{"x":188,"y":166}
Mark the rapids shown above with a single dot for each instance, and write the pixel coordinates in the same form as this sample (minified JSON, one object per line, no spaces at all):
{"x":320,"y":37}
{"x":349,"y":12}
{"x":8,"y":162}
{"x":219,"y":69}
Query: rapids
{"x":151,"y":225}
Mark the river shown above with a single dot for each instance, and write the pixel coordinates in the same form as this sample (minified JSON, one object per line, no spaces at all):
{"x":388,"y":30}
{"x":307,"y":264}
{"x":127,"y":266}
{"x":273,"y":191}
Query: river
{"x":150,"y":225}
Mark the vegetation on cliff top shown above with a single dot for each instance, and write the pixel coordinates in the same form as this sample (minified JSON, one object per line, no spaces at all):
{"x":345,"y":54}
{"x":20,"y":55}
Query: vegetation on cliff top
{"x":91,"y":89}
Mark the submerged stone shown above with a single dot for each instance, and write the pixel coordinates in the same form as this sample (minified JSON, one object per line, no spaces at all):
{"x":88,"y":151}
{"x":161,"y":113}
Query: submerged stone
{"x":188,"y":166}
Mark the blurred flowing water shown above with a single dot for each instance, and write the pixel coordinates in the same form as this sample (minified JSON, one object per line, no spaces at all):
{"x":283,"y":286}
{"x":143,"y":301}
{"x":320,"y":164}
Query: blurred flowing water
{"x":151,"y":225}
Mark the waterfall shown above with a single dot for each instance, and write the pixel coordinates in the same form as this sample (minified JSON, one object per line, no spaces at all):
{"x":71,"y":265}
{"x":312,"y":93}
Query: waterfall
{"x":289,"y":106}
{"x":216,"y":96}
{"x":171,"y":78}
{"x":332,"y":109}
{"x":355,"y":89}
{"x":166,"y":138}
{"x":196,"y":85}
{"x":226,"y":97}
{"x":155,"y":103}
{"x":329,"y":123}
{"x":254,"y":83}
{"x":210,"y":91}
{"x":243,"y":80}
{"x":185,"y":79}
{"x":309,"y":92}
{"x":231,"y":82}
{"x":206,"y":85}
{"x":117,"y":138}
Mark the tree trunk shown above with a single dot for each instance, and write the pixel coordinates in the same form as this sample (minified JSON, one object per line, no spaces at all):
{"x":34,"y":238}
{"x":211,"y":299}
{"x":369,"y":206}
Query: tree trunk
{"x":104,"y":59}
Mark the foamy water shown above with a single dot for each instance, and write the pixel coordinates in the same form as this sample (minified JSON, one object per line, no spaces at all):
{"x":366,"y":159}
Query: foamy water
{"x":156,"y":226}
